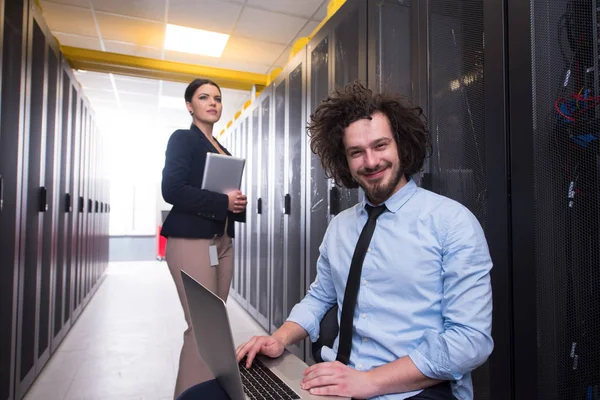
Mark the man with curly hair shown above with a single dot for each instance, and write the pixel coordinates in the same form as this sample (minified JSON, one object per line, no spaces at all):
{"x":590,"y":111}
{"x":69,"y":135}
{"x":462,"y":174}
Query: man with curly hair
{"x":422,"y":318}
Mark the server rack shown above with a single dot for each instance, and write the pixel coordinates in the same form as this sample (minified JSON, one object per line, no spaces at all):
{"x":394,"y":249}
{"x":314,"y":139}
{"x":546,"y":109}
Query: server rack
{"x":12,"y":15}
{"x":288,"y":194}
{"x":554,"y":150}
{"x":263,"y":261}
{"x":40,"y":157}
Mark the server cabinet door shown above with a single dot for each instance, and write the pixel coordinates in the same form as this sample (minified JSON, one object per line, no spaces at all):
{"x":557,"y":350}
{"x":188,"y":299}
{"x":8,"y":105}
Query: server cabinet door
{"x":52,"y":182}
{"x":254,"y":203}
{"x":554,"y":125}
{"x":245,"y":237}
{"x":75,"y":215}
{"x":35,"y":201}
{"x":392,"y":43}
{"x":64,"y":209}
{"x":278,"y":168}
{"x":235,"y":282}
{"x":349,"y":59}
{"x":294,"y":200}
{"x":264,"y":208}
{"x":457,"y":114}
{"x":82,"y":210}
{"x":12,"y":39}
{"x":318,"y":194}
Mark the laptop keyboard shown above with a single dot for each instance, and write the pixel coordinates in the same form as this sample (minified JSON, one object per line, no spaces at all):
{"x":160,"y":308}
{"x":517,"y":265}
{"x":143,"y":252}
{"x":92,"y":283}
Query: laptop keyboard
{"x":261,"y":383}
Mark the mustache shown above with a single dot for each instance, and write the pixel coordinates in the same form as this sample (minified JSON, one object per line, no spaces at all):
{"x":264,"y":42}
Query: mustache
{"x":374,"y":170}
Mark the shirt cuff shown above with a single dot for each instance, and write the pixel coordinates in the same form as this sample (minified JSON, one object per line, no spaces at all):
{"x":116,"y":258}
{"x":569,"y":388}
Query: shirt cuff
{"x":431,"y":358}
{"x":302,"y":316}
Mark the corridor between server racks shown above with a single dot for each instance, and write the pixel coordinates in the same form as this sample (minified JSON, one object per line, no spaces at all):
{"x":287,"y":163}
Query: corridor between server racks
{"x":126,"y":343}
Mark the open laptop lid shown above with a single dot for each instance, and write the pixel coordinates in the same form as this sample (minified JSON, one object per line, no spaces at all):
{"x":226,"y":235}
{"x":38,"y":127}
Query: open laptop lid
{"x":213,"y":335}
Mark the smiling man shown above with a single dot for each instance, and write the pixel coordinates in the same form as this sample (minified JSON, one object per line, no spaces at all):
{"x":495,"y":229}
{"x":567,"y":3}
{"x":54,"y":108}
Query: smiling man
{"x":416,"y":304}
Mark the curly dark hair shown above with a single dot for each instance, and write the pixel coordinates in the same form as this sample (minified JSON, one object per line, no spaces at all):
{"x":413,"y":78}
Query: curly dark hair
{"x":355,"y":102}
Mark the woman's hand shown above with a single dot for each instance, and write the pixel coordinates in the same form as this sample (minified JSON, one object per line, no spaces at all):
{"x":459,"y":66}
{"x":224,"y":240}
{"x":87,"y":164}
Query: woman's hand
{"x":237,"y":201}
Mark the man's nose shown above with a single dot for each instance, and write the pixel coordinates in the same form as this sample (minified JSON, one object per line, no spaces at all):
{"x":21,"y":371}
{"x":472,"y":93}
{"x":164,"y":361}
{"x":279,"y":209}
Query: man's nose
{"x":371,"y":159}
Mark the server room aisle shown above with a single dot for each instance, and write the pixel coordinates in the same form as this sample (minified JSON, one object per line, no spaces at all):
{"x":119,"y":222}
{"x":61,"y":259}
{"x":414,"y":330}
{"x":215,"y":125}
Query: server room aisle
{"x":126,"y":343}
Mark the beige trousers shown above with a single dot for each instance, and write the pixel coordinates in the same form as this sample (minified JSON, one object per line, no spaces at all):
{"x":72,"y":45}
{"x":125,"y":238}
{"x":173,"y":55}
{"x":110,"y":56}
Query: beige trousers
{"x":191,"y":255}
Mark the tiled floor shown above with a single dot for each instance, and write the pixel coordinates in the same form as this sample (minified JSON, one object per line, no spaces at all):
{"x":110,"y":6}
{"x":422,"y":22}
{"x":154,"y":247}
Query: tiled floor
{"x":126,"y":343}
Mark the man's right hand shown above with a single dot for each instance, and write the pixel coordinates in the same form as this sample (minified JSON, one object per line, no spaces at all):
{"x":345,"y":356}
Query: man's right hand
{"x":267,"y":345}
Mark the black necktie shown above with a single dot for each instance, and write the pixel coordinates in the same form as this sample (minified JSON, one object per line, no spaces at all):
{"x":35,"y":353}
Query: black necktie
{"x":353,"y":283}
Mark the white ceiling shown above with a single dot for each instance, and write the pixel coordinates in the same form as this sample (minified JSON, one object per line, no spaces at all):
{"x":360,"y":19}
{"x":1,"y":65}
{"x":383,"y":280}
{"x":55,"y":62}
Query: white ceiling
{"x":262,"y":33}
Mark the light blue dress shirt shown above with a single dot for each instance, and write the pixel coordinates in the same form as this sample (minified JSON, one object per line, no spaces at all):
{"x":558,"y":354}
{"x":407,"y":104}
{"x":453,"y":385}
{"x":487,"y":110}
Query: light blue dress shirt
{"x":425,"y":288}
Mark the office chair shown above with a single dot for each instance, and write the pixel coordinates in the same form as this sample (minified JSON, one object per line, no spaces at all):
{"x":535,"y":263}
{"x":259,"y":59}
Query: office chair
{"x":328,"y":332}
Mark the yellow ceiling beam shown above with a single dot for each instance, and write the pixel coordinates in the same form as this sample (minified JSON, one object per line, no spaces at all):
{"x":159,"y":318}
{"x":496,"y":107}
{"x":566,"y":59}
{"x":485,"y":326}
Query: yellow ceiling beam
{"x":100,"y":61}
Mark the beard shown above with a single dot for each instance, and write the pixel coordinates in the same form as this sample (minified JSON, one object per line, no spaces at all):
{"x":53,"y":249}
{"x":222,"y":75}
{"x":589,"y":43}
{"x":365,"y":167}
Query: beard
{"x":379,"y":191}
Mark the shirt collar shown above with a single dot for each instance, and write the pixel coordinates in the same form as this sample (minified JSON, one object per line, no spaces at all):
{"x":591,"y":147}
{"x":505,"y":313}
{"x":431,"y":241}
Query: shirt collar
{"x":398,"y":199}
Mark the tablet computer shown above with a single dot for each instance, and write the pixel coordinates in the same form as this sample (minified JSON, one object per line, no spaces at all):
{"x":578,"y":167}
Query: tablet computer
{"x":222,"y":173}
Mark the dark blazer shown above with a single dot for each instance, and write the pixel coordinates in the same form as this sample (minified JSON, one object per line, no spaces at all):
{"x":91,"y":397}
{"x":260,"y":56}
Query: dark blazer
{"x":196,"y":213}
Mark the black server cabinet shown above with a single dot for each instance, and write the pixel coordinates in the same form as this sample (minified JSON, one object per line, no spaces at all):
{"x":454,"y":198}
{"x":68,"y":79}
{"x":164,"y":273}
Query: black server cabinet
{"x":75,"y":214}
{"x":253,"y":204}
{"x":233,"y":145}
{"x":456,"y":111}
{"x":261,"y":150}
{"x":555,"y":165}
{"x":393,"y":42}
{"x":317,"y":196}
{"x":295,"y":198}
{"x":64,"y":209}
{"x":348,"y":60}
{"x":35,"y":204}
{"x":287,"y":275}
{"x":13,"y":39}
{"x":246,"y":228}
{"x":52,"y":182}
{"x":278,"y":168}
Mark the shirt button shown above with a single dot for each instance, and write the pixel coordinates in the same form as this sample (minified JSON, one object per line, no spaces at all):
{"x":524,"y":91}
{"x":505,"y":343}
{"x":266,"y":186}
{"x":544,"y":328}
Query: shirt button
{"x":365,"y":282}
{"x":365,"y":339}
{"x":359,"y":366}
{"x":363,"y":316}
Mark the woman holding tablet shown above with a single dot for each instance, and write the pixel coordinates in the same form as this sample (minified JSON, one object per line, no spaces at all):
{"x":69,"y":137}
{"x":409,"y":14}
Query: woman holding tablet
{"x":200,"y":226}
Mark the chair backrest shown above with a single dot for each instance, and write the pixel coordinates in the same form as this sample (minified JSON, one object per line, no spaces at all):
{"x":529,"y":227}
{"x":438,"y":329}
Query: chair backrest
{"x":328,"y":332}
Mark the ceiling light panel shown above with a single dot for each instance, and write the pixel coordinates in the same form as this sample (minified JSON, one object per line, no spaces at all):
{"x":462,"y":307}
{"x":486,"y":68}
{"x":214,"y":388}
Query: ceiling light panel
{"x":195,"y":41}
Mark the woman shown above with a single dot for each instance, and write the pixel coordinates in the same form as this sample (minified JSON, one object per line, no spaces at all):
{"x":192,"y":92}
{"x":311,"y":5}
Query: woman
{"x":199,"y":218}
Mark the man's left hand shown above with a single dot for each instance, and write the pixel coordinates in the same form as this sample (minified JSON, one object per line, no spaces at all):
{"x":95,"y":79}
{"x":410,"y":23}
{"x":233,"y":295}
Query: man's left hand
{"x":337,"y":379}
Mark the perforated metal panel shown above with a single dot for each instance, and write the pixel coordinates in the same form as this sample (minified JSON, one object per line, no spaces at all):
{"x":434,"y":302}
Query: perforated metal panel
{"x":567,"y":197}
{"x":319,"y":185}
{"x":457,"y":114}
{"x":277,"y":313}
{"x":10,"y":177}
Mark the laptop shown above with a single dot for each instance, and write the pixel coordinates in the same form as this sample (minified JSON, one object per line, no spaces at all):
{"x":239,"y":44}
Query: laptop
{"x":267,"y":378}
{"x":222,"y":173}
